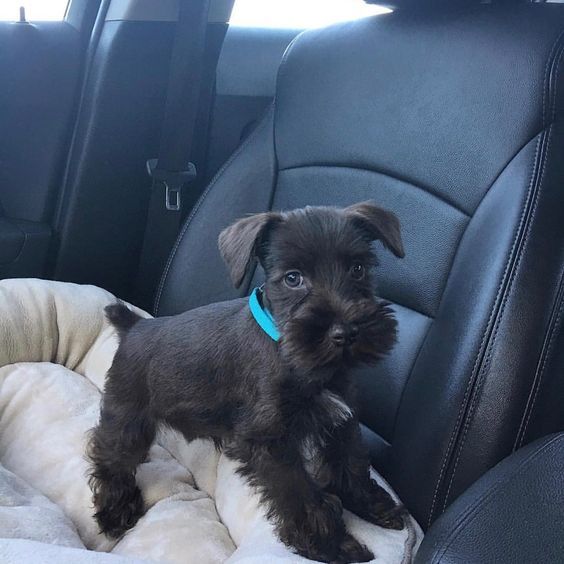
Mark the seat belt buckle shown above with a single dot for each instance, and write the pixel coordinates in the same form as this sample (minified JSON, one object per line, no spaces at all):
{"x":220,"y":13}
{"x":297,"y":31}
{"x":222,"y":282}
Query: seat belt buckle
{"x":173,"y":200}
{"x":173,"y":181}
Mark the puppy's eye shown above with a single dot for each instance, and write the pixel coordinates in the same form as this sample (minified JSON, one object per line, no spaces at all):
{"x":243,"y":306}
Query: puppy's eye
{"x":357,"y":271}
{"x":293,"y":279}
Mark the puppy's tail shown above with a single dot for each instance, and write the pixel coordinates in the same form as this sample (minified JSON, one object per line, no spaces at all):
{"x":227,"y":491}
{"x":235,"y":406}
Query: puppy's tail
{"x":121,"y":317}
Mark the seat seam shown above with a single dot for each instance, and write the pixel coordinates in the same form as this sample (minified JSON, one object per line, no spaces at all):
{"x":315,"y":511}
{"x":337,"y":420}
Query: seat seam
{"x":484,"y":367}
{"x":470,"y":511}
{"x":273,"y":189}
{"x":381,"y":172}
{"x":553,"y":63}
{"x":552,"y":332}
{"x":481,"y":348}
{"x":199,"y":203}
{"x":433,"y":318}
{"x":473,"y":376}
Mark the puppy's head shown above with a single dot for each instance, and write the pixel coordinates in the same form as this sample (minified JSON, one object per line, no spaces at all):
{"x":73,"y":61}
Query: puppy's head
{"x":319,"y":282}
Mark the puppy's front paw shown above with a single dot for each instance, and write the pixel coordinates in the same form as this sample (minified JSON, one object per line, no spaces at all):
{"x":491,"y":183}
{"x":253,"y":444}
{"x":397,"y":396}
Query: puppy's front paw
{"x":315,"y":532}
{"x":377,"y":506}
{"x":119,"y":511}
{"x":322,"y":535}
{"x":350,"y":550}
{"x":324,"y":518}
{"x":390,"y":518}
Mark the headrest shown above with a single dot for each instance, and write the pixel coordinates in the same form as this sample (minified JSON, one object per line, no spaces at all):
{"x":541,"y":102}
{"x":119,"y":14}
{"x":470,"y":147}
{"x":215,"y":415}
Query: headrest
{"x":430,"y":4}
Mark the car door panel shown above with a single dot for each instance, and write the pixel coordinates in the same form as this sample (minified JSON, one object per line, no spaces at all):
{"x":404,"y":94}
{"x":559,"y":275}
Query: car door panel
{"x":40,"y":65}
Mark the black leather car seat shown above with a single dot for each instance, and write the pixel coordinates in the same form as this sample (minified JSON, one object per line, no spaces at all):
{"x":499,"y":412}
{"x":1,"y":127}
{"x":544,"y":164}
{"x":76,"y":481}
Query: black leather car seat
{"x":452,"y":117}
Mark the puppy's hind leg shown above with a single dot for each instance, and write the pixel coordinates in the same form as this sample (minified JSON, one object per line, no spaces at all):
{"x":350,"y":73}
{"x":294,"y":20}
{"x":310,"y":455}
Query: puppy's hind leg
{"x":117,"y":446}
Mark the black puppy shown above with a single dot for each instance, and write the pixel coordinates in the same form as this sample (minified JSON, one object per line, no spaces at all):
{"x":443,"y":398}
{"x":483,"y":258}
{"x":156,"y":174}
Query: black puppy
{"x":268,"y":378}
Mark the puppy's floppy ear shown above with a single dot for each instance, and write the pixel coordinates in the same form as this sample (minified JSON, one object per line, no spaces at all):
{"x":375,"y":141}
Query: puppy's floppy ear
{"x":379,"y":223}
{"x":238,"y":243}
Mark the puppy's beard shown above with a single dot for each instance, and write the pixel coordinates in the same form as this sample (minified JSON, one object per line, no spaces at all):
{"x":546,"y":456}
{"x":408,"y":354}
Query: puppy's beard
{"x":377,"y":335}
{"x":307,"y":346}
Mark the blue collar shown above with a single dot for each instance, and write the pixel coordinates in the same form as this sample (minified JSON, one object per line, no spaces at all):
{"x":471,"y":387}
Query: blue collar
{"x":262,"y":316}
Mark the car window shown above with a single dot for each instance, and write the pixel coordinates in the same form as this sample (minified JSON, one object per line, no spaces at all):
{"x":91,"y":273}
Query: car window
{"x":38,"y":10}
{"x":300,"y":14}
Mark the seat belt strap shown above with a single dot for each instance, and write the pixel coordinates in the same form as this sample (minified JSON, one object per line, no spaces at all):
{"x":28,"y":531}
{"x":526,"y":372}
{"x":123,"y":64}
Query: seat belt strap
{"x":172,"y":171}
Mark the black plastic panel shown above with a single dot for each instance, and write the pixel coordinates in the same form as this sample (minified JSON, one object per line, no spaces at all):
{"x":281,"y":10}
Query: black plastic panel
{"x":103,"y":212}
{"x":39,"y":66}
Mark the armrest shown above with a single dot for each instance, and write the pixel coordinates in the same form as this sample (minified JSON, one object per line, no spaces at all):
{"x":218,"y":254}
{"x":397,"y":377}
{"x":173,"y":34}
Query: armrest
{"x":514,"y":513}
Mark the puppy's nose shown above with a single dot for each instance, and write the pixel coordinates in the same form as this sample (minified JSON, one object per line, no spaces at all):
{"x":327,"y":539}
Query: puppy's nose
{"x":342,"y":334}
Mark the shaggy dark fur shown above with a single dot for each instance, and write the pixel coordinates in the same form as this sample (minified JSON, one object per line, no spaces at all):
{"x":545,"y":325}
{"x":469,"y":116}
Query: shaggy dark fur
{"x":284,"y":411}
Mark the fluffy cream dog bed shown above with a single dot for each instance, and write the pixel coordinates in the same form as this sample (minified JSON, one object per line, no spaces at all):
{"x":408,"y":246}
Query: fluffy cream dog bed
{"x":55,"y":347}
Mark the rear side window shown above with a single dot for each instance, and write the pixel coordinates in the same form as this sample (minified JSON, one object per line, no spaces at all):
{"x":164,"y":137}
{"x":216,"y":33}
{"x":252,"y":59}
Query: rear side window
{"x":299,"y":14}
{"x":35,"y":10}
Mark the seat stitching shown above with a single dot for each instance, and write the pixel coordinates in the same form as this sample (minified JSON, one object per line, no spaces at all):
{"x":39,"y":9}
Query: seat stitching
{"x":273,"y":188}
{"x":550,"y":60}
{"x":553,"y":62}
{"x":551,"y":329}
{"x":199,"y":203}
{"x":472,"y":378}
{"x":393,"y":176}
{"x":540,"y":372}
{"x":481,"y":376}
{"x":459,"y":416}
{"x":470,"y":512}
{"x":448,"y":277}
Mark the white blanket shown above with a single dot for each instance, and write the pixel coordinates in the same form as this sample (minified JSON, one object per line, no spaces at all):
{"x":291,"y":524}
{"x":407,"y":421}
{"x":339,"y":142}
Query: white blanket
{"x":55,"y":347}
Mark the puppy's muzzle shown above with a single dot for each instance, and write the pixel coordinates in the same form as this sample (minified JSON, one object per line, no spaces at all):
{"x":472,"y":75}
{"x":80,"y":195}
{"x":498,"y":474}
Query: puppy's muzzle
{"x":343,"y":334}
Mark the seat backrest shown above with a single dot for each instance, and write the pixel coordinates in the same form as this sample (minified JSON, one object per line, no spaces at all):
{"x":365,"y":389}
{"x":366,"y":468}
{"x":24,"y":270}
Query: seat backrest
{"x":453,"y":119}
